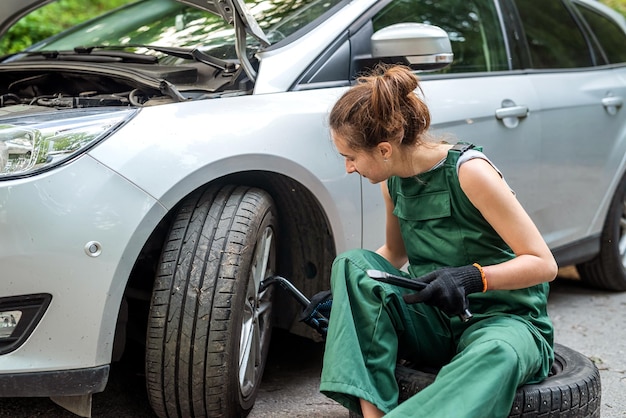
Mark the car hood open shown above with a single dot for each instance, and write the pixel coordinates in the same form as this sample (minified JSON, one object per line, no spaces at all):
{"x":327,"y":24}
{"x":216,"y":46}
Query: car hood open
{"x":233,"y":11}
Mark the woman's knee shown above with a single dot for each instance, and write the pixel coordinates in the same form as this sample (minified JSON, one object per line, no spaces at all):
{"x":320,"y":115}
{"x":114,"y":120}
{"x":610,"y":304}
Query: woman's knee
{"x":358,"y":257}
{"x":501,"y":352}
{"x":514,"y":365}
{"x":352,"y":265}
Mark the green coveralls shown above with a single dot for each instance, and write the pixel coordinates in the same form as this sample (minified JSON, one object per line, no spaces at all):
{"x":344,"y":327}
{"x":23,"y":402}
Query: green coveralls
{"x":507,"y":343}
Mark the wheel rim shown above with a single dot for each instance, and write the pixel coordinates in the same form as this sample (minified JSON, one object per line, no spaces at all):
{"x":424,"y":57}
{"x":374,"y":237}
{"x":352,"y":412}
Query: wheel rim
{"x":622,"y":234}
{"x":256,"y":316}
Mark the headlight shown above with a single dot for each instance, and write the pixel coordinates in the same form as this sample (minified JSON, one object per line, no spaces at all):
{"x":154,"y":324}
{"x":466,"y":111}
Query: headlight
{"x":31,"y":144}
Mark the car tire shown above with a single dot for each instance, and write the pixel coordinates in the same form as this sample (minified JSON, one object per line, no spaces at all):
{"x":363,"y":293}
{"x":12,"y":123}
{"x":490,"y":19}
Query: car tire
{"x":209,"y":326}
{"x":573,"y":388}
{"x":608,"y":269}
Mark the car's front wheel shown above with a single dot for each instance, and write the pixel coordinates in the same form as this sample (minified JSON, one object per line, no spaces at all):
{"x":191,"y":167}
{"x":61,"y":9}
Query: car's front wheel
{"x":608,"y":269}
{"x":209,"y":324}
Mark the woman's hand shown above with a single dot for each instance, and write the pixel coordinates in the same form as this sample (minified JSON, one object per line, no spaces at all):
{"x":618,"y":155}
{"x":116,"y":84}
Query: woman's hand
{"x":448,"y":289}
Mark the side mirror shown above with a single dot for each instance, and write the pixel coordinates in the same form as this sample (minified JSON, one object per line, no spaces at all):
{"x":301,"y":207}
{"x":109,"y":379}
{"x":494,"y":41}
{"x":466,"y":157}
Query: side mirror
{"x":418,"y":45}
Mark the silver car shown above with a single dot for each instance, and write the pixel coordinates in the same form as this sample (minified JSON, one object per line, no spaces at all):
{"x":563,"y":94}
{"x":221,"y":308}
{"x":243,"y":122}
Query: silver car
{"x":161,"y":161}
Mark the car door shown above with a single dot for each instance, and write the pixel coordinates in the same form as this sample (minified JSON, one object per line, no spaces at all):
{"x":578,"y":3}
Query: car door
{"x":477,"y":99}
{"x":581,"y":99}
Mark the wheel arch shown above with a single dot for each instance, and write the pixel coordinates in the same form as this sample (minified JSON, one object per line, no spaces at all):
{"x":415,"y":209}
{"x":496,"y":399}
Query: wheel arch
{"x":306,"y":250}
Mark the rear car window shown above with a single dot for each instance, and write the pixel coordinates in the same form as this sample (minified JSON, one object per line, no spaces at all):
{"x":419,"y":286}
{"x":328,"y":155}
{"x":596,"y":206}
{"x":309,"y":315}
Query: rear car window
{"x":554,"y":38}
{"x":609,"y":35}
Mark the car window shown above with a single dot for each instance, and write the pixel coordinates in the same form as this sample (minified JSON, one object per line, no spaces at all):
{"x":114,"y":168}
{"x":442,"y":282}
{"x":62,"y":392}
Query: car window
{"x":554,"y":38}
{"x":610,"y":36}
{"x":472,"y":26}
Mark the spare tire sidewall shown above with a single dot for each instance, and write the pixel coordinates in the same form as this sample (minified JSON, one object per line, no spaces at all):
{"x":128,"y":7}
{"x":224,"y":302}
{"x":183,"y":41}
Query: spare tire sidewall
{"x":573,"y":386}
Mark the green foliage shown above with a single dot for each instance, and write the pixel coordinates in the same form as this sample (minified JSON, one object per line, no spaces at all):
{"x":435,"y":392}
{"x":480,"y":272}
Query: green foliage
{"x":52,"y":19}
{"x":619,"y":5}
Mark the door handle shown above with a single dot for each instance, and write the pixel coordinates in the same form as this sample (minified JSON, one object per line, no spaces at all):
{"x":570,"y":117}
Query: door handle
{"x":512,"y":112}
{"x":612,"y":103}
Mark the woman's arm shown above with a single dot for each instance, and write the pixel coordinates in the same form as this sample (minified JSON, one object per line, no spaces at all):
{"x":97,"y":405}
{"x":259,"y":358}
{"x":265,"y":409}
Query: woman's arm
{"x":534,"y":263}
{"x":393,"y":249}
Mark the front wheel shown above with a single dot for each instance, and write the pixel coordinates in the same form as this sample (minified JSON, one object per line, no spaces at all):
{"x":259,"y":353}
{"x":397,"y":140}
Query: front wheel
{"x":209,"y":324}
{"x":608,"y":269}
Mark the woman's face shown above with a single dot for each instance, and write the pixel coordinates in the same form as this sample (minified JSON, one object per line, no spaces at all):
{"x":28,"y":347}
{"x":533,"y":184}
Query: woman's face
{"x":368,"y":163}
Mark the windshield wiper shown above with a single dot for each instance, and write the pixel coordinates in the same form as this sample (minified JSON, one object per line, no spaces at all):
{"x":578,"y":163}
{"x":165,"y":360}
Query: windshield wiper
{"x":113,"y":56}
{"x":184,"y":53}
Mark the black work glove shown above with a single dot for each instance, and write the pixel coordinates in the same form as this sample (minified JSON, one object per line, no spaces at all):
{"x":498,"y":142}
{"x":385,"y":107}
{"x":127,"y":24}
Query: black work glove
{"x":317,"y":312}
{"x":448,"y":288}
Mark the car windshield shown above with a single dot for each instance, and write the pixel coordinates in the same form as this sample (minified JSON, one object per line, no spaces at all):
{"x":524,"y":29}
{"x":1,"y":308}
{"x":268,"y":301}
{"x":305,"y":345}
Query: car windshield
{"x":168,"y":23}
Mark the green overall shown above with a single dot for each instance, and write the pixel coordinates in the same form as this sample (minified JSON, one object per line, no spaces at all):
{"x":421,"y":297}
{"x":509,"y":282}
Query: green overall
{"x":506,"y":344}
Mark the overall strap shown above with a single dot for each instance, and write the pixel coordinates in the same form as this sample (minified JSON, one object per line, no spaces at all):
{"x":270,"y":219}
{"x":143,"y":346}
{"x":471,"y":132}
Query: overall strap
{"x":461,"y":147}
{"x":456,"y":151}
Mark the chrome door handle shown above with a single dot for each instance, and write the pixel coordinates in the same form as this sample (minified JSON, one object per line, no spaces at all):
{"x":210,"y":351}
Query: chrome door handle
{"x":512,"y":112}
{"x":612,"y":101}
{"x":612,"y":104}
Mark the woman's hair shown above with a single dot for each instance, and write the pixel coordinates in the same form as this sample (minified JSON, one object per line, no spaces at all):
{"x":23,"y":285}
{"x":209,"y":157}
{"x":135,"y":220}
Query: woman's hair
{"x":381,"y":107}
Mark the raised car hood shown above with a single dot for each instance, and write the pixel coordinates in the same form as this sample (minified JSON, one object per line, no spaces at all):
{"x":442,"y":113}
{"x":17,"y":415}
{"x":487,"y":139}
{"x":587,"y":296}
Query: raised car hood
{"x":229,"y":9}
{"x":12,"y":10}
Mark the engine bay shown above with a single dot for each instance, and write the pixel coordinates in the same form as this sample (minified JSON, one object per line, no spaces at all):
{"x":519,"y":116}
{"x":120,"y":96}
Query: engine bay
{"x":79,"y":85}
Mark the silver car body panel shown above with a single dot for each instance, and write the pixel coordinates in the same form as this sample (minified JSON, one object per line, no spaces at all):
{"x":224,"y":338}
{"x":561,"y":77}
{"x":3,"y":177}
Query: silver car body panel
{"x":572,"y":211}
{"x":190,"y":156}
{"x":86,"y":291}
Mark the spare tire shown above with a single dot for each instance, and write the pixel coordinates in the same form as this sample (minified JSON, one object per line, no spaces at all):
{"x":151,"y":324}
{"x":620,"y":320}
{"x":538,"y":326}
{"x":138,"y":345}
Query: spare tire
{"x":572,"y":389}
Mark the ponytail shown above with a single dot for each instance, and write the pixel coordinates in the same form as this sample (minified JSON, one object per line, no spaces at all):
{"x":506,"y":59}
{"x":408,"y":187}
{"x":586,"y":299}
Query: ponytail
{"x":381,"y":107}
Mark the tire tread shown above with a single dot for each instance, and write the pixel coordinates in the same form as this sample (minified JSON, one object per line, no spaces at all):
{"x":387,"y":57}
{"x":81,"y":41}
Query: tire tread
{"x":187,"y":344}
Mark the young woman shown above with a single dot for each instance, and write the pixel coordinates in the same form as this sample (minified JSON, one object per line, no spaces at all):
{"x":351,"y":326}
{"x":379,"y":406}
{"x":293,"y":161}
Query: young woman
{"x":453,"y":218}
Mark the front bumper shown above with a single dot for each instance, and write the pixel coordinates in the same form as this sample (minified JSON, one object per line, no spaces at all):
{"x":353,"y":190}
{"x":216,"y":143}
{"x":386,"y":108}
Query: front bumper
{"x":50,"y":225}
{"x":58,"y":383}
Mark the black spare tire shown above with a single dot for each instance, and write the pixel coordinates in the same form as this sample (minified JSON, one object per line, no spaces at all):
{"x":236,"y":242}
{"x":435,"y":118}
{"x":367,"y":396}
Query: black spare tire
{"x":572,"y":389}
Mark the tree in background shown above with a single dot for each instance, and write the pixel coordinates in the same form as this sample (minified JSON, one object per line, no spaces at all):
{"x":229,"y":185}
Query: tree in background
{"x":52,"y":19}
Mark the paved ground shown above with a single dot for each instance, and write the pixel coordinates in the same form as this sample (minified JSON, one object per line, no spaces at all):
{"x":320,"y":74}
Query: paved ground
{"x":592,"y":322}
